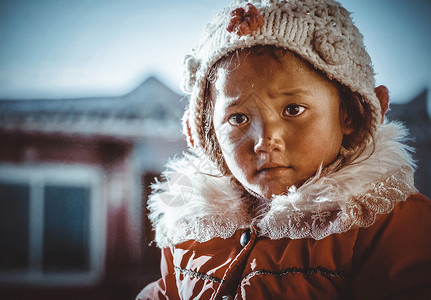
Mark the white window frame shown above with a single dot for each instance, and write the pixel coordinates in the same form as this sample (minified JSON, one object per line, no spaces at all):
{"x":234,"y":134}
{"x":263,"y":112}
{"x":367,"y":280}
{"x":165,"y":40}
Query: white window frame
{"x":37,"y":176}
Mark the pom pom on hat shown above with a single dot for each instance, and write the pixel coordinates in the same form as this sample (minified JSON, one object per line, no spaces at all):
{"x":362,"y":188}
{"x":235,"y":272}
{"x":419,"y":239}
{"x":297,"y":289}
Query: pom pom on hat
{"x":191,"y":65}
{"x":245,"y":20}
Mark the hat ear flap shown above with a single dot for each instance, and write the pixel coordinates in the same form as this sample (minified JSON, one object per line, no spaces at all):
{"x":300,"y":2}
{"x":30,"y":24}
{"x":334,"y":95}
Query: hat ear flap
{"x":187,"y":131}
{"x":382,"y":94}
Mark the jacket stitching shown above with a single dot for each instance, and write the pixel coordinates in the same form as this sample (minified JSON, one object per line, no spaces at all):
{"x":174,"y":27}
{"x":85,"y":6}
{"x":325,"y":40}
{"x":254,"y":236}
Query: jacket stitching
{"x":294,"y":270}
{"x":196,"y":274}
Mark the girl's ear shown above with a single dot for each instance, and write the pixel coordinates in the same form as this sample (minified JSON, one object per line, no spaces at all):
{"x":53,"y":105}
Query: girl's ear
{"x":382,"y":94}
{"x":187,"y":130}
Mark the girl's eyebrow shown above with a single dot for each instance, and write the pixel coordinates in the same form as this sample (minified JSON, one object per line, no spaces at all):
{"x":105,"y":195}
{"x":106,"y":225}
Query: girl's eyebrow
{"x":238,"y":101}
{"x":292,"y":92}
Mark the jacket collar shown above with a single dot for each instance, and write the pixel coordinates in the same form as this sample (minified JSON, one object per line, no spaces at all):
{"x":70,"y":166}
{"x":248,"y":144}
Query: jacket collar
{"x":195,"y":202}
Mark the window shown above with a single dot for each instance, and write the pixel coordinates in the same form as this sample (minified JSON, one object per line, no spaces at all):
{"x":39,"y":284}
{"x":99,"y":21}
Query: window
{"x":51,"y":225}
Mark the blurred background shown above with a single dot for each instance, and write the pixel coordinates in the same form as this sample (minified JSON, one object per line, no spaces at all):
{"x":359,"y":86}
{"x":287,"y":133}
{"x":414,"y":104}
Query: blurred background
{"x":90,"y":110}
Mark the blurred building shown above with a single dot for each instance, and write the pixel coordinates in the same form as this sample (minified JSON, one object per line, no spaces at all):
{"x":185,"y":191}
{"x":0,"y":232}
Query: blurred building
{"x":415,"y":116}
{"x":74,"y":174}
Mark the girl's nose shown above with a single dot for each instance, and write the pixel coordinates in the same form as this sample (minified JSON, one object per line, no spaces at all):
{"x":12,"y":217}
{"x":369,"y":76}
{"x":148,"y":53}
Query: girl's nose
{"x":268,"y":144}
{"x":268,"y":132}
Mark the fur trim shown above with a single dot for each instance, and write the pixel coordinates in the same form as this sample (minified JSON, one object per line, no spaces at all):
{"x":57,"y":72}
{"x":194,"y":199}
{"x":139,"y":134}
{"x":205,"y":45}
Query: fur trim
{"x":196,"y":202}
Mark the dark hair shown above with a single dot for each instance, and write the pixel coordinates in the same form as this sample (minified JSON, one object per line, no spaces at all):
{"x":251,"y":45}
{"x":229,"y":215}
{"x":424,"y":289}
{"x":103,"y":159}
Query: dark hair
{"x":358,"y":111}
{"x":360,"y":118}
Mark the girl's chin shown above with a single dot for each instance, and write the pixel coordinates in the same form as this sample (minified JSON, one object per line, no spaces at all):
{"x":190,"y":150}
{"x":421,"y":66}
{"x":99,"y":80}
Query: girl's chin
{"x":269,"y":192}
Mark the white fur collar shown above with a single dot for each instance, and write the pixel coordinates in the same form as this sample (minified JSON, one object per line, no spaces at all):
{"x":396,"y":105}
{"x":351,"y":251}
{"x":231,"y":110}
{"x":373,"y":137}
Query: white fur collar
{"x":196,"y":203}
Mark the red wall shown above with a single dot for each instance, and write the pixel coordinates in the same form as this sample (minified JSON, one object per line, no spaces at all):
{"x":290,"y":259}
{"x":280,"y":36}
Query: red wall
{"x":125,"y":269}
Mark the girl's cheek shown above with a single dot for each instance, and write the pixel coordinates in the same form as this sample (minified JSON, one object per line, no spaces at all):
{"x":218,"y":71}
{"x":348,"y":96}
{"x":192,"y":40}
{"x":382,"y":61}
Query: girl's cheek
{"x":228,"y":136}
{"x":230,"y":149}
{"x":238,"y":139}
{"x":231,"y":143}
{"x":224,"y":137}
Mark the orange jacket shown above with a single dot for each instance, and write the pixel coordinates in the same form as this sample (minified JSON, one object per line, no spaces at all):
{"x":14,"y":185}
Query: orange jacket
{"x":389,"y":260}
{"x":357,"y":232}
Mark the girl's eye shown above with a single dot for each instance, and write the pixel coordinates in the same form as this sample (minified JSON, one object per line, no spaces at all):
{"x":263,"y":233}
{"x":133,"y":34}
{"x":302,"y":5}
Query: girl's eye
{"x":237,"y":119}
{"x":293,"y":110}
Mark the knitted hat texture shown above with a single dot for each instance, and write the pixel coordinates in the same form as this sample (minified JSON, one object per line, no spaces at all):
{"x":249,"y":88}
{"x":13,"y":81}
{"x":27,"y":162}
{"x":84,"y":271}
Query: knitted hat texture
{"x":320,"y":31}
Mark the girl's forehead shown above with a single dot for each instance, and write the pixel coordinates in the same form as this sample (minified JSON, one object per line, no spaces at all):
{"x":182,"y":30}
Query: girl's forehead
{"x":269,"y":54}
{"x":266,"y":60}
{"x":276,"y":68}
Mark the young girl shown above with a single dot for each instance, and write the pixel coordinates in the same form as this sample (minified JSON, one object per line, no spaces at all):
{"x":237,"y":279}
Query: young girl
{"x":296,"y":187}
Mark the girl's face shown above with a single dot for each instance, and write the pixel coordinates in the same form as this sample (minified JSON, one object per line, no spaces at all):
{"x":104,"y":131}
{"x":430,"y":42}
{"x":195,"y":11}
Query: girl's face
{"x":276,"y":120}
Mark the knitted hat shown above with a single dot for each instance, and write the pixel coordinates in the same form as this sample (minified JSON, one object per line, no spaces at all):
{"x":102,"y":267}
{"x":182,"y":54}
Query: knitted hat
{"x":319,"y":31}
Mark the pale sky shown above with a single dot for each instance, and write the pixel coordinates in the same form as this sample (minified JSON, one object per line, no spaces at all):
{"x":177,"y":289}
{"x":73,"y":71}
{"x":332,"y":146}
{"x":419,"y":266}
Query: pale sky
{"x":81,"y":48}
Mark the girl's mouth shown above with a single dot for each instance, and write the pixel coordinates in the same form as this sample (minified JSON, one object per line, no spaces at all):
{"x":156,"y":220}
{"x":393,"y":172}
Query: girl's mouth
{"x":271,"y":166}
